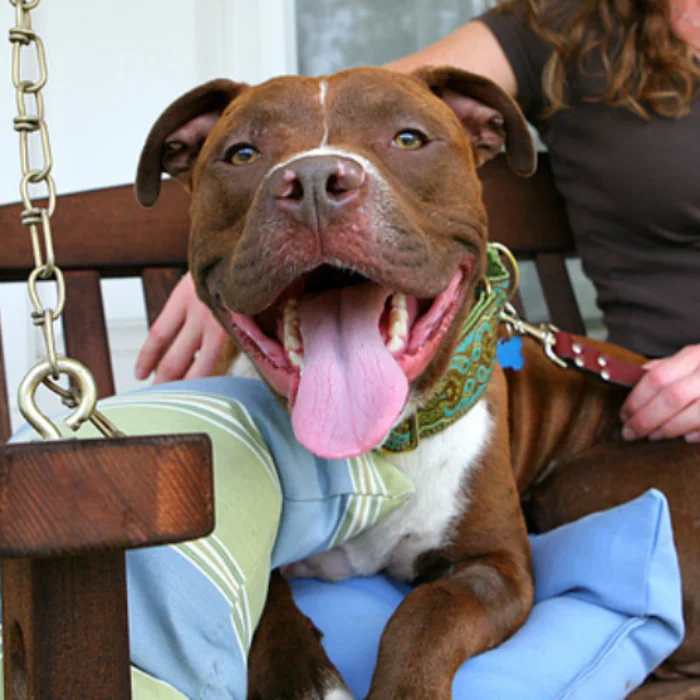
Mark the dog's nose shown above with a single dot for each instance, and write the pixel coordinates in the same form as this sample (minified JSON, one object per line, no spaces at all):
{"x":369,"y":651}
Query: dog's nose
{"x":314,"y":189}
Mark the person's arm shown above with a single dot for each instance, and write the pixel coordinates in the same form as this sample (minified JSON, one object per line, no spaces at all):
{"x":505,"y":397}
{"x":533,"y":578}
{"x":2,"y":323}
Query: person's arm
{"x":666,"y":401}
{"x":185,"y":340}
{"x":472,"y":47}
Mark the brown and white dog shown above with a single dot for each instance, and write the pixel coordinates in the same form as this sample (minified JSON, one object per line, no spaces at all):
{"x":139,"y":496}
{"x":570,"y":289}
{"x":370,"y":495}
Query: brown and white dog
{"x":338,"y":233}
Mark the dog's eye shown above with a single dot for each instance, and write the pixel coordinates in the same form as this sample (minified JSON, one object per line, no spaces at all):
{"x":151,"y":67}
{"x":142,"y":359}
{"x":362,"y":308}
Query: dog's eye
{"x":410,"y":140}
{"x":242,"y":154}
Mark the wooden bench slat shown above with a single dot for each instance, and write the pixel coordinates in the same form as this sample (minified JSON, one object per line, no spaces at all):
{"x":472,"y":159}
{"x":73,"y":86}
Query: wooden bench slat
{"x":559,"y":293}
{"x":85,"y":327}
{"x":526,"y":214}
{"x":105,"y":230}
{"x":5,"y":424}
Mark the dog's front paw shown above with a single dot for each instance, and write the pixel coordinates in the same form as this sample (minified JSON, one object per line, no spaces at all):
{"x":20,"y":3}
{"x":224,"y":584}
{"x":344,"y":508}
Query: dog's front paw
{"x":287,"y":660}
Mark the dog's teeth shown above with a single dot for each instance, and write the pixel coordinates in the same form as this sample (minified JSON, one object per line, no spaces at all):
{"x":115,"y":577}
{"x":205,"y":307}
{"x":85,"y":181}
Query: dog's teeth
{"x":292,"y":334}
{"x":295,"y":359}
{"x":292,"y":342}
{"x":396,"y":344}
{"x":398,"y":301}
{"x":398,"y":313}
{"x":398,"y":323}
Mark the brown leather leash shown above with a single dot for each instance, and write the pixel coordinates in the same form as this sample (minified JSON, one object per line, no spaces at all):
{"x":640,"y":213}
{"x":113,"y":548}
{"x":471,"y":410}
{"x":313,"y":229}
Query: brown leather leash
{"x":574,"y":352}
{"x":578,"y":354}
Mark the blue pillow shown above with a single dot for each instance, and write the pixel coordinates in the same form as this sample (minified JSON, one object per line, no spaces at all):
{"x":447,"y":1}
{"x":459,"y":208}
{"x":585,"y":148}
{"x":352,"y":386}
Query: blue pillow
{"x":607,"y":611}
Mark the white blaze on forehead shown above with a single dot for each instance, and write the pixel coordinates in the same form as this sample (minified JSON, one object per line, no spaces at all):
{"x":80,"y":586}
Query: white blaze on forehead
{"x":323,"y":91}
{"x":323,"y":149}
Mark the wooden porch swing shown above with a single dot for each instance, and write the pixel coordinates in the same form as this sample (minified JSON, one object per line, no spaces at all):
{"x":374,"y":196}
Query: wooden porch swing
{"x":69,"y":509}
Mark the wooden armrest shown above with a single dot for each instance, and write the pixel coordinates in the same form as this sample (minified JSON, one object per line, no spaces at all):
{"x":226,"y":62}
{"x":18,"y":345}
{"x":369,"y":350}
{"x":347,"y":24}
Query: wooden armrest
{"x":62,"y":498}
{"x":68,"y":509}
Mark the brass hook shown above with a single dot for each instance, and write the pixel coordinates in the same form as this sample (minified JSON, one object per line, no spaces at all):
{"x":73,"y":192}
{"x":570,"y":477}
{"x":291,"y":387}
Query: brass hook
{"x":87,"y":393}
{"x":515,"y":269}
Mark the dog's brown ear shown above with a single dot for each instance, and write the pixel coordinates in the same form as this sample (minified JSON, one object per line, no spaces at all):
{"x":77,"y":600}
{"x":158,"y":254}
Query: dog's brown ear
{"x":490,"y":116}
{"x":177,"y":136}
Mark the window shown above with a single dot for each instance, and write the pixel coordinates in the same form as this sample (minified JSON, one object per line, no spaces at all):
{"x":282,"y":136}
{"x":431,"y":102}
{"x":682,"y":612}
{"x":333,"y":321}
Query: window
{"x":337,"y":34}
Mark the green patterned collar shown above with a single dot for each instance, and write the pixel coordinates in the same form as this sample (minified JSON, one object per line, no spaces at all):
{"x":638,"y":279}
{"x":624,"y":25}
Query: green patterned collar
{"x":470,"y":368}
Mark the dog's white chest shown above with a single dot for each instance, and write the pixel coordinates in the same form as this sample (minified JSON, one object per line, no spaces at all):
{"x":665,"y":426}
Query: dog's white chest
{"x":439,"y":469}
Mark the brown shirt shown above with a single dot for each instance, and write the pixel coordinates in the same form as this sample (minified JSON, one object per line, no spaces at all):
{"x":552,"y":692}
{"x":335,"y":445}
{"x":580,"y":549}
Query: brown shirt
{"x":632,"y":189}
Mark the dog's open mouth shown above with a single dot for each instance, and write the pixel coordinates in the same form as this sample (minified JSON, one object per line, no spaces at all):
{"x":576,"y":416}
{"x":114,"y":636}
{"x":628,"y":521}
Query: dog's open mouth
{"x":343,"y":350}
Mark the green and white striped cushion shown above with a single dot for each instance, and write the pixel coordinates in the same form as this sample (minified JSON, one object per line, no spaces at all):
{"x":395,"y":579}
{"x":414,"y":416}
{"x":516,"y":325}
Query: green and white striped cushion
{"x":275,"y":503}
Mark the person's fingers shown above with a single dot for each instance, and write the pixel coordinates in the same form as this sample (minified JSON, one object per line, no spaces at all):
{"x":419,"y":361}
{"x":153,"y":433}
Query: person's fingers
{"x":661,"y":374}
{"x":206,"y":360}
{"x":685,"y":423}
{"x":159,"y":338}
{"x":180,"y":355}
{"x":693,"y":437}
{"x":165,"y":328}
{"x":672,"y":411}
{"x":182,"y":308}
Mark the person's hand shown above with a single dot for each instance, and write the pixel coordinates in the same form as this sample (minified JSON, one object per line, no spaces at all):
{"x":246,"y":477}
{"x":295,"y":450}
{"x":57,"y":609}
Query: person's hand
{"x":665,"y":403}
{"x":185,"y":340}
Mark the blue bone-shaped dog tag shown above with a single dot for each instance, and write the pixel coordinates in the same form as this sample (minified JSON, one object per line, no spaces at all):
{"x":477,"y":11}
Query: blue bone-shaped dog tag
{"x":508,"y":353}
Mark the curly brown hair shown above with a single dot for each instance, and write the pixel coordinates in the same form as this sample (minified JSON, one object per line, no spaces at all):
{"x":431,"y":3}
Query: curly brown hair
{"x":646,"y":66}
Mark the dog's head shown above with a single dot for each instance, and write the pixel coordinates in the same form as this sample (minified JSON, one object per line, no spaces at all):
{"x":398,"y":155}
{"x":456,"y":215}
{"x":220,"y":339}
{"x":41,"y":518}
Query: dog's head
{"x":338,"y":230}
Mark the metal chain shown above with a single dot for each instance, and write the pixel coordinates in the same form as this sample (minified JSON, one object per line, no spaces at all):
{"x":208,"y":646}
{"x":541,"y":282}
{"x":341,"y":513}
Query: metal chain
{"x":30,"y":120}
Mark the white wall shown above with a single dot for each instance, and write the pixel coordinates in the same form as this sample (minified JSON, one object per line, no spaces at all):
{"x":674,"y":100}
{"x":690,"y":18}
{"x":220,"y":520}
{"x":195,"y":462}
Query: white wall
{"x":113,"y":67}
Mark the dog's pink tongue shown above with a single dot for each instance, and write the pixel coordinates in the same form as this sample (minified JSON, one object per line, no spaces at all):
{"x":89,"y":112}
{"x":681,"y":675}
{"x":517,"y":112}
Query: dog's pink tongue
{"x":351,"y":390}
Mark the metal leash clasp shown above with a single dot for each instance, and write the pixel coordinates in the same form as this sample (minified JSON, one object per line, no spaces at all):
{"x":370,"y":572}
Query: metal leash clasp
{"x":544,"y":333}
